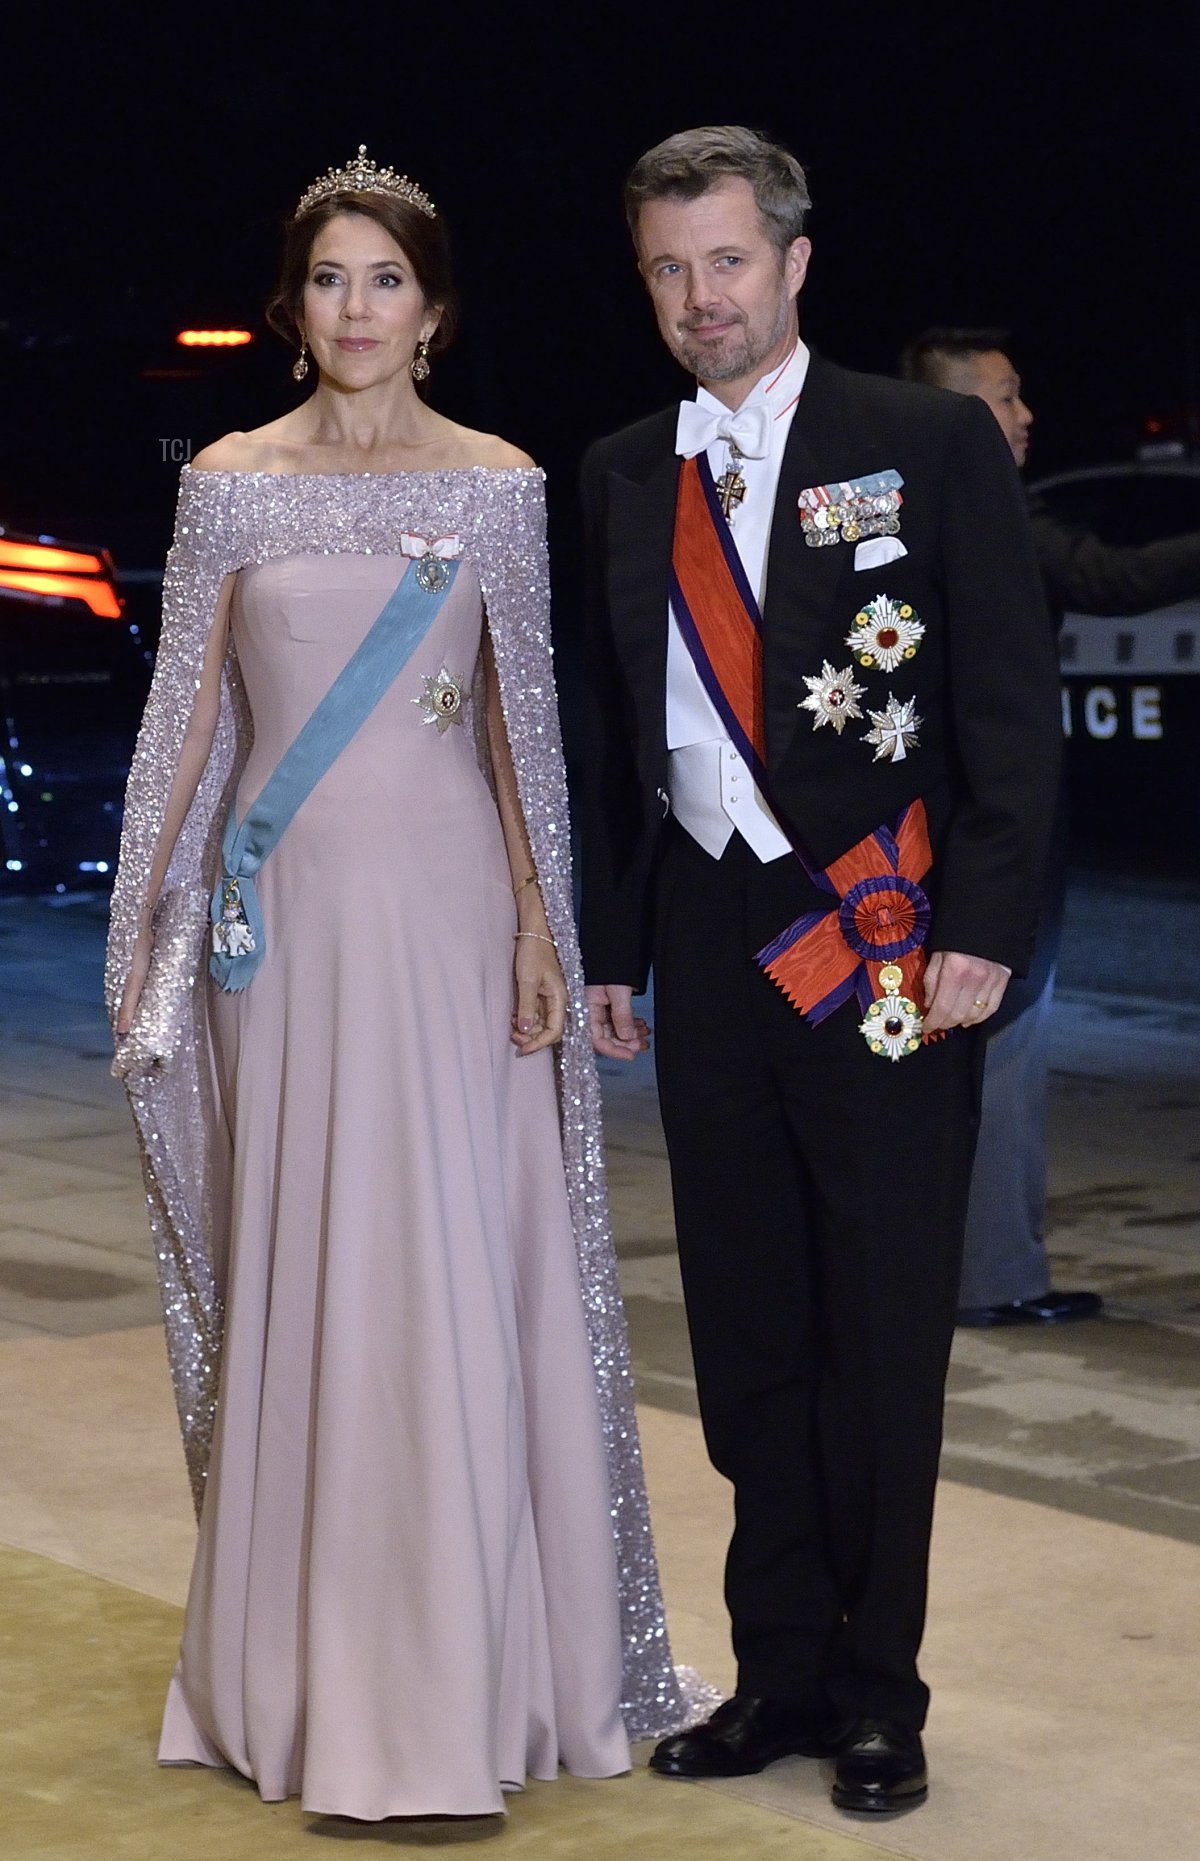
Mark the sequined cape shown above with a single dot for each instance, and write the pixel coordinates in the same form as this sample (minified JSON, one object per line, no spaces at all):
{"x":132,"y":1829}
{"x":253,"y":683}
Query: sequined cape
{"x":224,"y":522}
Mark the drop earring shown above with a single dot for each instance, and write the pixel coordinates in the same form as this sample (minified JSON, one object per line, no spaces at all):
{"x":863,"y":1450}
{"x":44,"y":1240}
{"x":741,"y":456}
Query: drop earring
{"x":300,"y":365}
{"x":420,"y":364}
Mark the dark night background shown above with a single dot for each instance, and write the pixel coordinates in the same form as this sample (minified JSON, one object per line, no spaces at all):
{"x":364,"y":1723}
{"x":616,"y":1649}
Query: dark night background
{"x":967,"y":166}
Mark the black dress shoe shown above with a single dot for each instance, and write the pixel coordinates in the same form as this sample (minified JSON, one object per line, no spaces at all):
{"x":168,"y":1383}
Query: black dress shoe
{"x":880,"y":1767}
{"x":1053,"y":1308}
{"x":743,"y":1736}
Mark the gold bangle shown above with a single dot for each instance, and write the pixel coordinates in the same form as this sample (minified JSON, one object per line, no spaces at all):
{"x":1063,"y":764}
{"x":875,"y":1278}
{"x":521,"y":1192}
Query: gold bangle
{"x":540,"y":935}
{"x":531,"y":880}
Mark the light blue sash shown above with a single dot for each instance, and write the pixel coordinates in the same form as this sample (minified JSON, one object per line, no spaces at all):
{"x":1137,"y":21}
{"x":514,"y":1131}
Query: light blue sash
{"x":239,"y":937}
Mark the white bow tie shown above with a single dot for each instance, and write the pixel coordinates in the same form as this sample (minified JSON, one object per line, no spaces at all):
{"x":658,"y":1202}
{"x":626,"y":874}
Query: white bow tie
{"x":749,"y":429}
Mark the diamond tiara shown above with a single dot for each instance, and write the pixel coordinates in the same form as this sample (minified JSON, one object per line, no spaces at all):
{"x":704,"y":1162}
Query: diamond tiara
{"x":362,"y":176}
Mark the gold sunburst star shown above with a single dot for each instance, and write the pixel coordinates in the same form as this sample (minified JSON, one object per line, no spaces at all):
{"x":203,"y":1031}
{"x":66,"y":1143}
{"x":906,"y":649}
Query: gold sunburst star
{"x":832,"y":697}
{"x":441,"y":702}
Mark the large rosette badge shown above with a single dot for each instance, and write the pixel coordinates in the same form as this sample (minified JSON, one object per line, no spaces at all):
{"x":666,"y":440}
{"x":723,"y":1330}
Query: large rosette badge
{"x":885,"y":917}
{"x":869,"y":941}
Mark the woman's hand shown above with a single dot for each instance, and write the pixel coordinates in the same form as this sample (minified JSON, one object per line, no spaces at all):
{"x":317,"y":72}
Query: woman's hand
{"x":143,"y":950}
{"x":541,"y":994}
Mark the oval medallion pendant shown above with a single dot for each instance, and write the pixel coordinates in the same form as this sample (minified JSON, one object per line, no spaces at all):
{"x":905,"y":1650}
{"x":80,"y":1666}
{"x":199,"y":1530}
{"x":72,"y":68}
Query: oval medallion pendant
{"x":432,"y":574}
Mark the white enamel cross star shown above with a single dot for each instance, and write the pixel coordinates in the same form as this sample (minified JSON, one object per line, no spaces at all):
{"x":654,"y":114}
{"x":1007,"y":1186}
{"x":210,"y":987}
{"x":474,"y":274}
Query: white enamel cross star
{"x":894,"y":729}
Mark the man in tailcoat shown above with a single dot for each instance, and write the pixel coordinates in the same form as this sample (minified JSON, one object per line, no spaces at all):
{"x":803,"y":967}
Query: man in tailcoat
{"x":821,"y":757}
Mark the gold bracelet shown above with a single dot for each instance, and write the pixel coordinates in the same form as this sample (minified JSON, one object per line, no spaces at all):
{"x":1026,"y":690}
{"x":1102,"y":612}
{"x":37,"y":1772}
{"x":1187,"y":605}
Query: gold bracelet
{"x":531,"y":880}
{"x":540,"y":935}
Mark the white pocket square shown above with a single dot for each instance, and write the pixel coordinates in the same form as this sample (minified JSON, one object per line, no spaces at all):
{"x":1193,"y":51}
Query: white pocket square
{"x":878,"y":550}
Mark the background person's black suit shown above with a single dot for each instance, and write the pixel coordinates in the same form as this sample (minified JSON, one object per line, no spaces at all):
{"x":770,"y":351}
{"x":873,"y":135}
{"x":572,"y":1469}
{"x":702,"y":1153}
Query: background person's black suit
{"x":1005,"y":1262}
{"x":1083,"y":574}
{"x":820,"y":1189}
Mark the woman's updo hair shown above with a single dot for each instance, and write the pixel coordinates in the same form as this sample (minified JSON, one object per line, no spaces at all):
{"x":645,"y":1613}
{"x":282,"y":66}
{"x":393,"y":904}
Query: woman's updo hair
{"x":422,"y":240}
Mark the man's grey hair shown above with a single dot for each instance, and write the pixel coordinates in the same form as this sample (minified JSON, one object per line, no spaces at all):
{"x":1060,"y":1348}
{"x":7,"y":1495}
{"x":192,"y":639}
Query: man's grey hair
{"x":687,"y":165}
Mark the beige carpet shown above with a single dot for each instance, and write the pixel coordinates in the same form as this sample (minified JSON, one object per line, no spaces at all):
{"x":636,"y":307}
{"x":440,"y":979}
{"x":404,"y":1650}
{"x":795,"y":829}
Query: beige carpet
{"x":84,"y":1662}
{"x":1064,"y":1654}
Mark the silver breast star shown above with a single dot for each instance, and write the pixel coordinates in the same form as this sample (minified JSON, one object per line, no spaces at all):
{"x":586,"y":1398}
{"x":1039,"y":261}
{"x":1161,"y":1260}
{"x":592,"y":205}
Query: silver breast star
{"x":441,"y":702}
{"x":832,"y":697}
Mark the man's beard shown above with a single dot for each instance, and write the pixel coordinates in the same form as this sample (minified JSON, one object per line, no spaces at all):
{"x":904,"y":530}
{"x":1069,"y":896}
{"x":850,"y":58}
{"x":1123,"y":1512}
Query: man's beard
{"x":739,"y":354}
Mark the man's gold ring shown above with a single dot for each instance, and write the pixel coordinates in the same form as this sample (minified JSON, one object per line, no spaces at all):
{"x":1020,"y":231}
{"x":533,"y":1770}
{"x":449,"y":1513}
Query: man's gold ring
{"x":978,"y":1004}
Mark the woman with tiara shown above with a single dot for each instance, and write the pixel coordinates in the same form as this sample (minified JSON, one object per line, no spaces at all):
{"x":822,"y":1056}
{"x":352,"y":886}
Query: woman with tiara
{"x":341,"y":965}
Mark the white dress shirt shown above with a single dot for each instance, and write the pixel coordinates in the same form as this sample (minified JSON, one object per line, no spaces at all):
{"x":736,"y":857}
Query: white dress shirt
{"x":712,"y":791}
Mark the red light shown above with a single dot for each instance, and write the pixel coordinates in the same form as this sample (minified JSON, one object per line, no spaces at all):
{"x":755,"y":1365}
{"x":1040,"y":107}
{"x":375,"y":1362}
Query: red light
{"x":100,"y":596}
{"x":214,"y":339}
{"x":42,"y":556}
{"x":1152,"y":426}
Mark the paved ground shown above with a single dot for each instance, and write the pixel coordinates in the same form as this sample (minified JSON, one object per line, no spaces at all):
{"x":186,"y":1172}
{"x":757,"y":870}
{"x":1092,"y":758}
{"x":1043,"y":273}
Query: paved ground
{"x":1102,"y":1418}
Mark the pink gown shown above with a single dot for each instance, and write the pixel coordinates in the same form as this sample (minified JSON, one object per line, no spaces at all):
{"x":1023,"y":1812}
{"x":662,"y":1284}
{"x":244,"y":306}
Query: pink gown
{"x":405,"y":1591}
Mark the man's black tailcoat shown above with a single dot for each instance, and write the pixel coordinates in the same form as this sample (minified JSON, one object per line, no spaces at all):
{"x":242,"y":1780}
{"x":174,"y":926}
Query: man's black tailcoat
{"x":820,"y":1189}
{"x":984,"y":676}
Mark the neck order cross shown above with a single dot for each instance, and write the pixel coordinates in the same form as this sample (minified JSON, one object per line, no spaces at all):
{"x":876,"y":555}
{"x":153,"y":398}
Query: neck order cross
{"x":731,"y":486}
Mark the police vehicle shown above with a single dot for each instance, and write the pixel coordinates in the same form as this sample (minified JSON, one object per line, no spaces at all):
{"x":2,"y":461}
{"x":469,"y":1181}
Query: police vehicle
{"x":1131,"y":685}
{"x":96,"y":426}
{"x":74,"y":671}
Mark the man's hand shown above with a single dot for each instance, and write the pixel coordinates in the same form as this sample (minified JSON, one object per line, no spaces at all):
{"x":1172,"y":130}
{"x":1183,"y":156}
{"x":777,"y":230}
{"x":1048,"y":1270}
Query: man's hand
{"x":961,"y":991}
{"x":617,"y":1032}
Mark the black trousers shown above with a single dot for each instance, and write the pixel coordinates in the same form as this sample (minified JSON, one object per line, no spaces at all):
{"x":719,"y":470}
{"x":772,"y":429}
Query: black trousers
{"x":820,"y":1196}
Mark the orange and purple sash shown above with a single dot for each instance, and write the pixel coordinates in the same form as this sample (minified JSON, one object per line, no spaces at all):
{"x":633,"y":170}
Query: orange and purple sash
{"x":717,"y":613}
{"x":878,"y":913}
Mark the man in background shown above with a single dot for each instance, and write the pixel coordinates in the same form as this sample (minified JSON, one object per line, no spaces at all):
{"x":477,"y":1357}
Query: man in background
{"x":1006,"y":1272}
